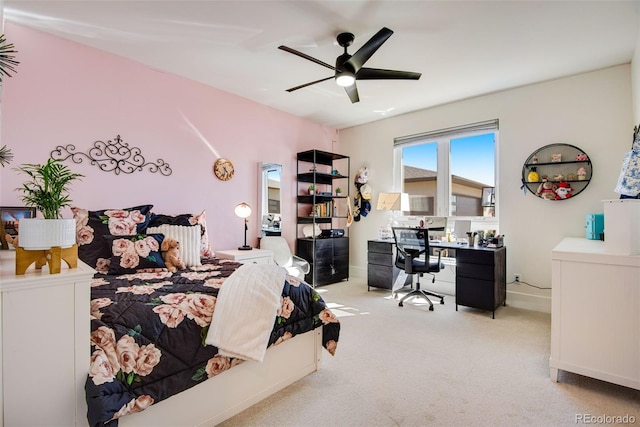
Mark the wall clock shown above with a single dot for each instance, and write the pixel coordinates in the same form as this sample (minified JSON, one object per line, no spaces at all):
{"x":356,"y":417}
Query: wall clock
{"x":223,"y":169}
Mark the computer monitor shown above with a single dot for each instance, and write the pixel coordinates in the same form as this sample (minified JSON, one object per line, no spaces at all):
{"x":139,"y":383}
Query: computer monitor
{"x":435,"y":223}
{"x":460,"y":229}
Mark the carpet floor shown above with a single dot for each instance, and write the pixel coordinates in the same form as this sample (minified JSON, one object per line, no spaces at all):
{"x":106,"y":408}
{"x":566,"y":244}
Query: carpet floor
{"x":408,"y":366}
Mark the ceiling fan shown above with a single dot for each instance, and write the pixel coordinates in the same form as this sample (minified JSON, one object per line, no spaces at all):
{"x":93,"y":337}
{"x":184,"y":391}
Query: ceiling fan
{"x":349,"y":68}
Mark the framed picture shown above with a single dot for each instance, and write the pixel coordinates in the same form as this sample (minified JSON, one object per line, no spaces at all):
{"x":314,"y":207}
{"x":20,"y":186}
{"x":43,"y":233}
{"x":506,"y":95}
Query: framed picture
{"x":488,"y":196}
{"x":10,"y":217}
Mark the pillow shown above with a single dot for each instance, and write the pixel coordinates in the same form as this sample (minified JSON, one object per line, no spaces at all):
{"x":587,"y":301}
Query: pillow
{"x":187,"y":220}
{"x":136,"y":252}
{"x":93,"y":226}
{"x":188,"y":237}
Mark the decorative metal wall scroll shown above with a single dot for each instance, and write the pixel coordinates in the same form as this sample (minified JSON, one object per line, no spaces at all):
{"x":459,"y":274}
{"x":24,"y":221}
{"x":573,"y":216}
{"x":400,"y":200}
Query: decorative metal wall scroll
{"x":113,"y":156}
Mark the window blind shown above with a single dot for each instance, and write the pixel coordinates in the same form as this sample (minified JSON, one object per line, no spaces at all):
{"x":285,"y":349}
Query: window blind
{"x":488,"y":125}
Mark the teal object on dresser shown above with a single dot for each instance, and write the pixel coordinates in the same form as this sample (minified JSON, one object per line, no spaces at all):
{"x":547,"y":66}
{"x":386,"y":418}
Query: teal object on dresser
{"x":594,"y":226}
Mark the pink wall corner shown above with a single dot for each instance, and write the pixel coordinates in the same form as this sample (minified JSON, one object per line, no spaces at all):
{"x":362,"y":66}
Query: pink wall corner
{"x":67,"y":93}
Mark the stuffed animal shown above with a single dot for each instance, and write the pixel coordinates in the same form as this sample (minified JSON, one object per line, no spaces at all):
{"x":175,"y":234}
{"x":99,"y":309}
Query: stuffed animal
{"x":547,"y":190}
{"x":171,"y":255}
{"x":563,"y":191}
{"x":12,"y":240}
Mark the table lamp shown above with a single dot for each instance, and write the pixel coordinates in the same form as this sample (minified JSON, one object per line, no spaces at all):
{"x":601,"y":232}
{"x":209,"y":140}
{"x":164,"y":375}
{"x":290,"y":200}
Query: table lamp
{"x":243,"y":210}
{"x":392,"y":202}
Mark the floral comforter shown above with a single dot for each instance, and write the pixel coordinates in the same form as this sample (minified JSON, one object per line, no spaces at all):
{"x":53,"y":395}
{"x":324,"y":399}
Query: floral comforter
{"x":148,"y":333}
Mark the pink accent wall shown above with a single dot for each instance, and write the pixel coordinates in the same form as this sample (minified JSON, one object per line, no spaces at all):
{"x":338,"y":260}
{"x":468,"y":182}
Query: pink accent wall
{"x":67,"y":93}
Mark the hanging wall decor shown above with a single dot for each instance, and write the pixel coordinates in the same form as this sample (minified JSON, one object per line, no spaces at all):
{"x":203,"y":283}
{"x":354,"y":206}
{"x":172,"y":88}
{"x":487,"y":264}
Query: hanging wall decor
{"x":556,"y":172}
{"x":362,"y":199}
{"x":7,"y":61}
{"x":112,"y":156}
{"x":5,"y":155}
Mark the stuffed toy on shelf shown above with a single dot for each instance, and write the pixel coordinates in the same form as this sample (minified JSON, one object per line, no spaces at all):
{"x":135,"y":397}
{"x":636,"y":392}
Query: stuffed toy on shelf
{"x":547,"y":190}
{"x":563,"y":191}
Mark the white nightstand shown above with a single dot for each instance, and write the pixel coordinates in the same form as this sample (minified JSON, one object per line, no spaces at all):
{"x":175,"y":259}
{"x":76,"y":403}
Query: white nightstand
{"x":254,"y":256}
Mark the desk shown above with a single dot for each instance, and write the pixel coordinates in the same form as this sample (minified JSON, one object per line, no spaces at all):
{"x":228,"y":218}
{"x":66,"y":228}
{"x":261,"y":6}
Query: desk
{"x":481,"y":272}
{"x":481,"y":275}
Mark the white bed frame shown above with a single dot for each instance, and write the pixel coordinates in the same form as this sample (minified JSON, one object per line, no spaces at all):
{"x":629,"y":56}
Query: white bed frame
{"x":59,"y":304}
{"x":233,"y":391}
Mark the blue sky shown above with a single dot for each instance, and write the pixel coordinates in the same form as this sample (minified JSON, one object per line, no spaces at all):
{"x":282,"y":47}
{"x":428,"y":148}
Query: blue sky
{"x":471,"y":157}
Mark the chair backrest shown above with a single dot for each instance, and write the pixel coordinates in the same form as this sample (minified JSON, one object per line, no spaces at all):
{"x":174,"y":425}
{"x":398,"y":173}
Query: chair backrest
{"x":412,"y":243}
{"x":280,"y":247}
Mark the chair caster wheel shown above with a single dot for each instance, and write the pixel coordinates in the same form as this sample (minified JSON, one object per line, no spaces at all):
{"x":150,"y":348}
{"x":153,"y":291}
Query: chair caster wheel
{"x":442,"y":301}
{"x":400,"y":304}
{"x":431,"y":308}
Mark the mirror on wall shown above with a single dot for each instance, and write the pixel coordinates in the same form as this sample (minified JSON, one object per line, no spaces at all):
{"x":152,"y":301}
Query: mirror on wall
{"x":269,"y":190}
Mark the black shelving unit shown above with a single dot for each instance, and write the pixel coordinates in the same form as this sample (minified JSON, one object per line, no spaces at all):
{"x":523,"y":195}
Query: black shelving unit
{"x":328,"y":253}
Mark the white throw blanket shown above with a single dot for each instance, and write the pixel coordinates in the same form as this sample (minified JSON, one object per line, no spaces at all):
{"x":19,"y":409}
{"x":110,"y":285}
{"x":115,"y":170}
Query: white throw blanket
{"x":246,"y":308}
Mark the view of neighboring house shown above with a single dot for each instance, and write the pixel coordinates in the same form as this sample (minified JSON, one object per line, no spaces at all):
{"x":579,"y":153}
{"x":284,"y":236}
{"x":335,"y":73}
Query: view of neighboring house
{"x":466,"y":194}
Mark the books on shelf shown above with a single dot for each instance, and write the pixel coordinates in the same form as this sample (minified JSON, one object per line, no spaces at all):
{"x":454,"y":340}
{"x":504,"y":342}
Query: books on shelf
{"x":325,"y":209}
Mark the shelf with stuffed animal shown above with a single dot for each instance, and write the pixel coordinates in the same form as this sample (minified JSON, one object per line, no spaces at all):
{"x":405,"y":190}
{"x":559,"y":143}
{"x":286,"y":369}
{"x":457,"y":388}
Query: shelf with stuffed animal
{"x":556,"y":172}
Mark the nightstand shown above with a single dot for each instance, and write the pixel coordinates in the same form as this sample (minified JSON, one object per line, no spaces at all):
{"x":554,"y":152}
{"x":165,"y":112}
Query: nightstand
{"x":254,"y":256}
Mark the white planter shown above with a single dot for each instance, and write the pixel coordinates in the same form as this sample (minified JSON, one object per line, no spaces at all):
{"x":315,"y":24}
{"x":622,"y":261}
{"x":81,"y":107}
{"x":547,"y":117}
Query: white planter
{"x":40,"y":233}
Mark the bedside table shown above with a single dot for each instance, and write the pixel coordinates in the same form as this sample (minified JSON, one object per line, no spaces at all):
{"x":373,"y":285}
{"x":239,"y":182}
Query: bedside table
{"x":254,"y":256}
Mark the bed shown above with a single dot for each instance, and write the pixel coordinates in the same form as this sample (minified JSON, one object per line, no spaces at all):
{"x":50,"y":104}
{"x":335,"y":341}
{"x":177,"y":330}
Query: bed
{"x":152,"y":362}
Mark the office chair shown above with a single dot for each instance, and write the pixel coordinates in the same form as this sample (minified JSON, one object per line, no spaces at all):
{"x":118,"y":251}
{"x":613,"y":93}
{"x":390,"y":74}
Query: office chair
{"x":283,"y":257}
{"x":411,"y":245}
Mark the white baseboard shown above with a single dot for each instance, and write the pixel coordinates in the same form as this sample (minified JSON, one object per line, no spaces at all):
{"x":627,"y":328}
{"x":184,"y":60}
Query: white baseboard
{"x":529,"y":301}
{"x":447,"y":286}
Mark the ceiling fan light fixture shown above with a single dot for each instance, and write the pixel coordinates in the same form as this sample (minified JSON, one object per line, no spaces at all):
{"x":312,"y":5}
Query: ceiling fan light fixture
{"x":345,"y":78}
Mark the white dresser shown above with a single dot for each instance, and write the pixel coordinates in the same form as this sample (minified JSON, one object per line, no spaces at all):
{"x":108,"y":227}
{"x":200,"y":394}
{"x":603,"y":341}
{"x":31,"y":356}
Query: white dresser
{"x":595,"y":312}
{"x":44,"y":344}
{"x":254,"y":256}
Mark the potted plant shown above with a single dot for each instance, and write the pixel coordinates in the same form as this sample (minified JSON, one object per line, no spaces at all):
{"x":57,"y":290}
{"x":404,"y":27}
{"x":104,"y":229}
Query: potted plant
{"x":47,"y":190}
{"x":338,"y":191}
{"x":312,"y":189}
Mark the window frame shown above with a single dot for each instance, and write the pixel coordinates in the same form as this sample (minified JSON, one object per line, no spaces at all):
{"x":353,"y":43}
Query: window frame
{"x":443,"y":139}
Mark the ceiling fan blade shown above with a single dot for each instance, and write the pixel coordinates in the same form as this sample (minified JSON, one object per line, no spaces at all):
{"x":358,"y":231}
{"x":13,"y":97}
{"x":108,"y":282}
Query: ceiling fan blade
{"x":309,"y":84}
{"x":352,"y":91}
{"x":369,"y":48}
{"x":305,"y":56}
{"x":379,"y":74}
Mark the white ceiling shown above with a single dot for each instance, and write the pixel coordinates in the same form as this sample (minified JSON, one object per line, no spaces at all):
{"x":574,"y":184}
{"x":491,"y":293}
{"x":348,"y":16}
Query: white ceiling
{"x":462,"y":48}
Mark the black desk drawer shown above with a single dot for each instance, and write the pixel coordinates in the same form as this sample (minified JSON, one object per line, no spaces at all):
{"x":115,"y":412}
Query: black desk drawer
{"x":380,"y":276}
{"x":475,"y":271}
{"x":380,"y":259}
{"x":380,"y":247}
{"x":475,"y":256}
{"x":476,"y":293}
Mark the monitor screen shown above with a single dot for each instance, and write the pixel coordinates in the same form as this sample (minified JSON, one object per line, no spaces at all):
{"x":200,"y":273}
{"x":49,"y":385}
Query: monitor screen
{"x":436,"y":223}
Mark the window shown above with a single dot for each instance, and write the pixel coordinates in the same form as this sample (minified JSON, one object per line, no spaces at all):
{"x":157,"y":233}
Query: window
{"x":447,"y":172}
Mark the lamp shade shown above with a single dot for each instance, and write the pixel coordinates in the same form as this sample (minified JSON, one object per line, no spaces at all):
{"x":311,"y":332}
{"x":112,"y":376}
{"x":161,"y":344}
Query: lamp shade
{"x":243,"y":210}
{"x":393,"y":202}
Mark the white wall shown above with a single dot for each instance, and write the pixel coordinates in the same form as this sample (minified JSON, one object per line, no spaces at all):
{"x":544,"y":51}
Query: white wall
{"x":592,"y":111}
{"x":635,"y":80}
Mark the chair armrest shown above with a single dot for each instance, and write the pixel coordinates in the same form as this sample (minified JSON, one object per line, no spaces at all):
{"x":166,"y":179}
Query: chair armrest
{"x":439,"y":252}
{"x":302,"y":263}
